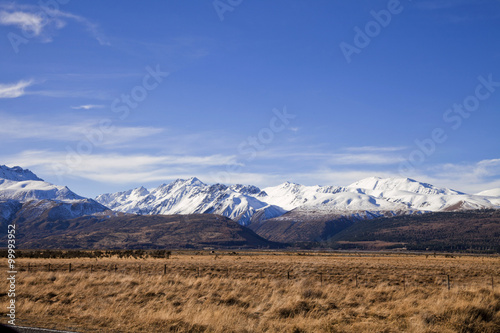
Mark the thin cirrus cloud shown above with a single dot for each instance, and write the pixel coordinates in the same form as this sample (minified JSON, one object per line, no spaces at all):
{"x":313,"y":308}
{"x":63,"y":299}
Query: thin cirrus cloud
{"x":14,"y":90}
{"x":374,"y":149}
{"x":87,"y":107}
{"x":25,"y":128}
{"x":40,"y":21}
{"x":18,"y":89}
{"x":483,"y":169}
{"x":139,"y":168}
{"x":92,"y":94}
{"x":469,"y":177}
{"x":358,"y":156}
{"x":358,"y":159}
{"x":118,"y":168}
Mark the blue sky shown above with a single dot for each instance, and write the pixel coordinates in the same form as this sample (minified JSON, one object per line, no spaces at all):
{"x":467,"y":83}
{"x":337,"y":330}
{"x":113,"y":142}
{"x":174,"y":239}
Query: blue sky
{"x":108,"y":95}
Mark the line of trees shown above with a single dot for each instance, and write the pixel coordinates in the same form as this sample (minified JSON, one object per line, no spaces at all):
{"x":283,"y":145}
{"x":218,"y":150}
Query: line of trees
{"x":64,"y":254}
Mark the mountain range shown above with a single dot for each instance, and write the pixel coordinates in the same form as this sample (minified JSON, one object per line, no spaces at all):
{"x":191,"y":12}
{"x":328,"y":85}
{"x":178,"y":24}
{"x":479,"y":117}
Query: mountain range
{"x":287,"y":213}
{"x":247,"y":204}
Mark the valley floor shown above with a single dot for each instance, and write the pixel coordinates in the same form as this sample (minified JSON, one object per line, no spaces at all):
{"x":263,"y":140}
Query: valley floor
{"x":260,"y":292}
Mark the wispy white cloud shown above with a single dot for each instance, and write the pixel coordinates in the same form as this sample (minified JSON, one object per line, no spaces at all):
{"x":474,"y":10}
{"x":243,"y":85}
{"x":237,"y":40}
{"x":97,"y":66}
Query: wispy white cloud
{"x":14,"y":90}
{"x":141,"y":168}
{"x":477,"y":170}
{"x":374,"y":149}
{"x":88,"y":107}
{"x":93,"y":94}
{"x":376,"y":157}
{"x":15,"y":128}
{"x":329,"y":176}
{"x":27,"y":22}
{"x":362,"y":159}
{"x":40,"y":21}
{"x":469,"y":177}
{"x":118,"y":168}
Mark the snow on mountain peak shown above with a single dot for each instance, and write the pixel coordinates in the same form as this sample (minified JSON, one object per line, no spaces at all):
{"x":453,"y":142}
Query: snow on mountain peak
{"x":495,"y":192}
{"x":24,"y":188}
{"x":193,"y":181}
{"x":192,"y":196}
{"x":290,"y":195}
{"x":245,"y":189}
{"x":246,"y":203}
{"x":377,"y":186}
{"x":17,"y":174}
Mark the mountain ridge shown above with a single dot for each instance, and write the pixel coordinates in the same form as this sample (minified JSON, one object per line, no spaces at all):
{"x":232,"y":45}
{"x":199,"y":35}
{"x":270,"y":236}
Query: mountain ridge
{"x":286,"y":213}
{"x":17,"y":173}
{"x":246,"y":204}
{"x":24,"y":196}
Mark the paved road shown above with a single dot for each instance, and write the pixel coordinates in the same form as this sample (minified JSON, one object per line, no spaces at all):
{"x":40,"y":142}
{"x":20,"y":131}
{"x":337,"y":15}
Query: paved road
{"x":22,"y":329}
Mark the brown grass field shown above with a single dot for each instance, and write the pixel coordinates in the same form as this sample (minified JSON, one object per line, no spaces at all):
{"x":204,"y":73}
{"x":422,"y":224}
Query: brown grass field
{"x":260,"y":292}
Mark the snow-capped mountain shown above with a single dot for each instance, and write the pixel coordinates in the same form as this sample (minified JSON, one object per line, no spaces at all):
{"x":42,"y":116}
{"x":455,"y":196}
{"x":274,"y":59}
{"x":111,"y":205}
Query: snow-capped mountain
{"x":377,"y":186}
{"x":21,"y":191}
{"x":35,"y":190}
{"x":290,"y":195}
{"x":23,"y":185}
{"x":17,"y":174}
{"x":374,"y":195}
{"x":420,"y":196}
{"x":192,"y":196}
{"x":495,"y":192}
{"x":367,"y":198}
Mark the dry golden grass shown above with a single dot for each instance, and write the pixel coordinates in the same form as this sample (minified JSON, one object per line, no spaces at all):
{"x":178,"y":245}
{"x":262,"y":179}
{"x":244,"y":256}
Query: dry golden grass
{"x":251,"y":293}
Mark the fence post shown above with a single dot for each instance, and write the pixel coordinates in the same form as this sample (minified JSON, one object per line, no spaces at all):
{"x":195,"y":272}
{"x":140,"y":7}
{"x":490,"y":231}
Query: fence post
{"x":356,"y":280}
{"x":448,"y":281}
{"x":288,"y":275}
{"x":165,"y":269}
{"x":115,"y":268}
{"x":48,"y":267}
{"x":69,"y":268}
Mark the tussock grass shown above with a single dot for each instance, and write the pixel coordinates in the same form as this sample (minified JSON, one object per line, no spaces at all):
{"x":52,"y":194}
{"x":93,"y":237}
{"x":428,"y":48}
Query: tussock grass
{"x":256,"y":296}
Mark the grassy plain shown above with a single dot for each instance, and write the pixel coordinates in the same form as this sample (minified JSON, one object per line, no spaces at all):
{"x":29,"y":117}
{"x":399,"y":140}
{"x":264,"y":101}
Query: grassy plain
{"x":260,"y":292}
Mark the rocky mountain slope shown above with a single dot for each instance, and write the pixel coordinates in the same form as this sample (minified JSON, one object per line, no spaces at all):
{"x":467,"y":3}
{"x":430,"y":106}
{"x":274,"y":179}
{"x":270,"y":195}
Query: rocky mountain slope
{"x":129,"y":231}
{"x":467,"y":230}
{"x":24,"y":196}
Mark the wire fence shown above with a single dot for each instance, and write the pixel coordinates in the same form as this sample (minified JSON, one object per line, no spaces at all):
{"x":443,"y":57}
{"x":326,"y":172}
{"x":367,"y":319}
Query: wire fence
{"x":355,"y":277}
